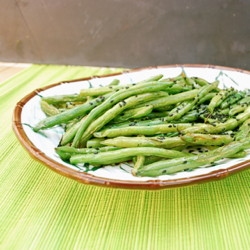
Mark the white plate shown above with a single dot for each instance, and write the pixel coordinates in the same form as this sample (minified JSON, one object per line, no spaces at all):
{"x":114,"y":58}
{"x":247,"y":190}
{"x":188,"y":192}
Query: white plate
{"x":41,"y":145}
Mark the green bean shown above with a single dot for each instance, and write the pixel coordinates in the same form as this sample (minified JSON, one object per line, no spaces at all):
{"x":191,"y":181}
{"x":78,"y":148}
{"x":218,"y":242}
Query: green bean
{"x":134,"y":113}
{"x":203,"y":91}
{"x":112,"y":161}
{"x":243,"y":116}
{"x":243,"y":131}
{"x":181,"y":82}
{"x":190,"y":82}
{"x":152,"y":159}
{"x":104,"y":157}
{"x":153,"y":78}
{"x":171,"y":134}
{"x":114,"y":112}
{"x":63,"y":98}
{"x":111,"y":101}
{"x":159,"y":141}
{"x":178,"y":88}
{"x":109,"y":89}
{"x":237,"y":109}
{"x":49,"y":109}
{"x":206,"y":98}
{"x":177,"y":78}
{"x":246,"y":100}
{"x":240,"y":154}
{"x":142,"y":130}
{"x":212,"y":129}
{"x":217,"y":128}
{"x":198,"y":149}
{"x":173,"y":99}
{"x":140,"y":159}
{"x":216,"y":117}
{"x":94,"y":143}
{"x":186,"y":106}
{"x":139,"y":122}
{"x":115,"y":82}
{"x":163,"y":108}
{"x":218,"y":99}
{"x":98,"y":91}
{"x":190,"y":116}
{"x":70,"y":105}
{"x":174,"y":79}
{"x":161,"y":118}
{"x":68,"y":115}
{"x":232,"y":99}
{"x":65,"y":152}
{"x":202,"y":149}
{"x":224,"y":111}
{"x":180,"y":110}
{"x":90,"y":98}
{"x":70,"y":133}
{"x":175,"y":165}
{"x":207,"y":139}
{"x":71,"y":123}
{"x":146,"y":122}
{"x":156,"y":114}
{"x":200,"y":81}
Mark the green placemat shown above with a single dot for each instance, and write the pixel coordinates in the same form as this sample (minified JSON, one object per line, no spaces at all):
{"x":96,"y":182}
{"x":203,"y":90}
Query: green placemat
{"x":40,"y":209}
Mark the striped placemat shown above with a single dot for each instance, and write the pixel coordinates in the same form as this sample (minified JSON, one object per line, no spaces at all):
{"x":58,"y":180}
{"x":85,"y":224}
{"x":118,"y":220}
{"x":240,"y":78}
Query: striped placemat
{"x":40,"y":209}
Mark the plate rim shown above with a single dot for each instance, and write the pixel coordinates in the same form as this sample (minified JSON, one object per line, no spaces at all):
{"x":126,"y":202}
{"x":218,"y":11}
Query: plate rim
{"x":87,"y":178}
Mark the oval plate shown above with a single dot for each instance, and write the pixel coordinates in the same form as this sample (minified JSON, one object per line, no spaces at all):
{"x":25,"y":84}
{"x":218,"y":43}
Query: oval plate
{"x":41,"y":145}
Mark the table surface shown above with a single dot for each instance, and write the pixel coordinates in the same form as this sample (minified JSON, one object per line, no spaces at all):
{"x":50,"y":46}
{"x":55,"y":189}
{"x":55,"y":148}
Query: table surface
{"x":40,"y":209}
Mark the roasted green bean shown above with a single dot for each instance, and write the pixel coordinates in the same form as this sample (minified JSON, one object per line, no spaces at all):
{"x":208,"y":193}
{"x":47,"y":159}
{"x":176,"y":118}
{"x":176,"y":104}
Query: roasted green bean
{"x":111,"y":101}
{"x":150,"y":122}
{"x":156,"y":141}
{"x":143,"y":130}
{"x":114,"y":156}
{"x":182,"y":163}
{"x":65,"y":152}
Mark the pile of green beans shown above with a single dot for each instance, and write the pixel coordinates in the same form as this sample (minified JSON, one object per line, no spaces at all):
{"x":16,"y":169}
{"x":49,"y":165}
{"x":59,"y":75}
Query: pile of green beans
{"x":161,"y":125}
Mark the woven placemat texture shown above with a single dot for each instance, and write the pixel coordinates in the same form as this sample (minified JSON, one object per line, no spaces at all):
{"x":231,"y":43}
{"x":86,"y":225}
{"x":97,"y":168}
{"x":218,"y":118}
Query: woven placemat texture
{"x":40,"y":209}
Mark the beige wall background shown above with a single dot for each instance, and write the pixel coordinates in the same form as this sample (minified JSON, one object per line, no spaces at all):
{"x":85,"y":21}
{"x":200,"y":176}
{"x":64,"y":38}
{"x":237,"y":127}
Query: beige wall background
{"x":126,"y":33}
